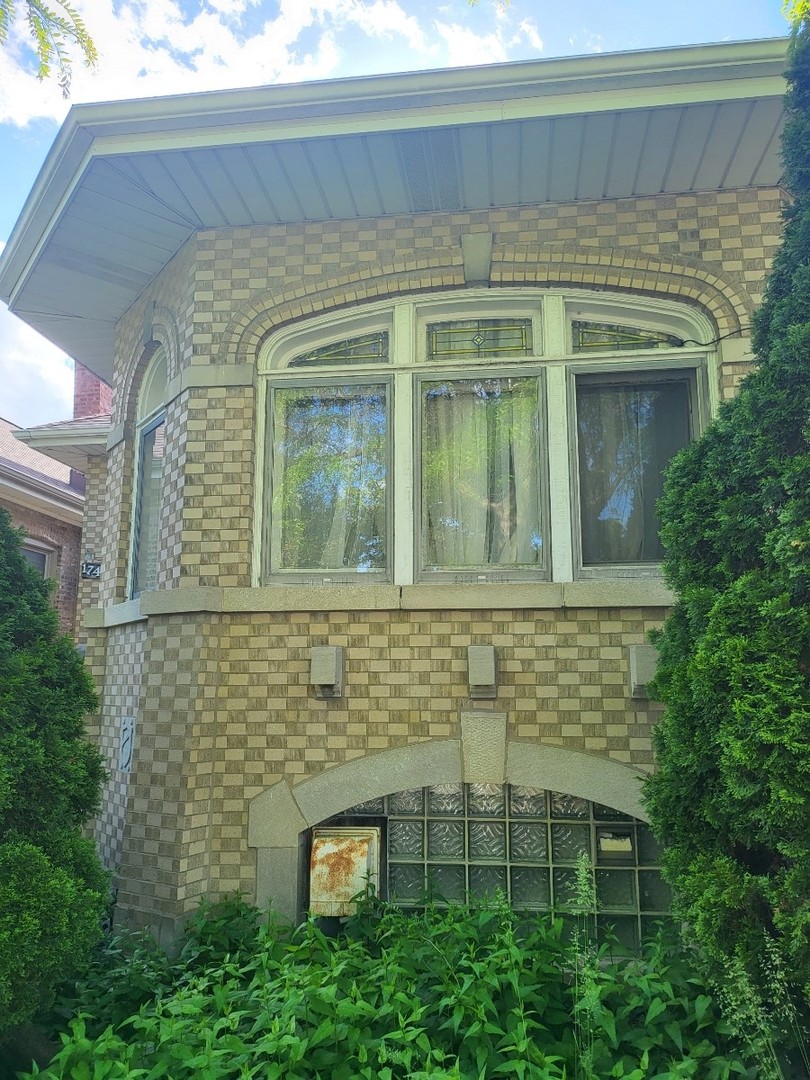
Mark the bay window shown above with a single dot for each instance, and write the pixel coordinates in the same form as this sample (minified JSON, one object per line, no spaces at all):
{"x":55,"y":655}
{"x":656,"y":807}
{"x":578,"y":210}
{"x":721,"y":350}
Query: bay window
{"x":480,"y":473}
{"x":477,"y":440}
{"x":151,"y":450}
{"x":329,"y":478}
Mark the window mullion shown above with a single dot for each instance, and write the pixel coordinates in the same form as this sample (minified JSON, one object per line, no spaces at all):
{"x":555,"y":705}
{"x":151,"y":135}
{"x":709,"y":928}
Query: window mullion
{"x":402,"y":476}
{"x":560,"y":478}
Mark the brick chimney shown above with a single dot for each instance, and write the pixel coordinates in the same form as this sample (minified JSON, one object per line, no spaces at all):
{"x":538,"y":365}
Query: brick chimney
{"x":91,"y":397}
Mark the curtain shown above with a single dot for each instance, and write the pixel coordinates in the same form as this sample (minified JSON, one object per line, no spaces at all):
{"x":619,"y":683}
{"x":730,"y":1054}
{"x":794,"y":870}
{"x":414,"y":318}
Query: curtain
{"x":480,"y":463}
{"x":627,"y":435}
{"x":329,"y":478}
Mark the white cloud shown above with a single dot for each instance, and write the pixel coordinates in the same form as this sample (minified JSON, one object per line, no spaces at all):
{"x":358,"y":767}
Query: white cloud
{"x":152,"y":47}
{"x":36,"y":377}
{"x":464,"y":46}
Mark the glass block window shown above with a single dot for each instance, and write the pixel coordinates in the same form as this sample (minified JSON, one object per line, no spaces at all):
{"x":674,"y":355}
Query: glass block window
{"x":365,"y":349}
{"x":466,"y":338}
{"x":609,"y":337}
{"x":457,"y":842}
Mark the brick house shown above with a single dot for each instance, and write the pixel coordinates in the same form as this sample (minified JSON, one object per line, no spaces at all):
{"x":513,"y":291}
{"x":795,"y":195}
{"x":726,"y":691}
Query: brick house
{"x":397,"y":363}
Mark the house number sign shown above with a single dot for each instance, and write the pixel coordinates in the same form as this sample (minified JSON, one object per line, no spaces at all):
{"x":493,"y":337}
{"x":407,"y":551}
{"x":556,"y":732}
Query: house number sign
{"x":91,"y":570}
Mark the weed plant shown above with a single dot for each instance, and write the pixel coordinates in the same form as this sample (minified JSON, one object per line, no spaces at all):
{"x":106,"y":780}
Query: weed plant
{"x":448,"y":993}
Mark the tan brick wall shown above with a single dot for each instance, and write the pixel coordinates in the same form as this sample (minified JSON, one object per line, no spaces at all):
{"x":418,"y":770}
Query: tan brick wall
{"x":223,"y":703}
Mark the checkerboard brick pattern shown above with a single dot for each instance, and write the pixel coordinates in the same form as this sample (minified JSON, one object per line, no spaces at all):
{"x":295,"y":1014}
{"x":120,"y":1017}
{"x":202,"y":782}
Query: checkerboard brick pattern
{"x":223,"y":703}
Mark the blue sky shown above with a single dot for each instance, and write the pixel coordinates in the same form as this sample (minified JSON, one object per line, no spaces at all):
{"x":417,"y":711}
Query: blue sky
{"x":150,"y":47}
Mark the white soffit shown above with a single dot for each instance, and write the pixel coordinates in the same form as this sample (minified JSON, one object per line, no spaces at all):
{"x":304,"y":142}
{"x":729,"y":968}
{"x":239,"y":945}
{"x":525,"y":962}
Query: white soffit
{"x":127,"y":183}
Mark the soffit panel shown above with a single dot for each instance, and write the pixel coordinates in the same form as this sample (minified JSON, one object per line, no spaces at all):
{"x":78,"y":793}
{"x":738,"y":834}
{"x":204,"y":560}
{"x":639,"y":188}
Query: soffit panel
{"x":129,"y":213}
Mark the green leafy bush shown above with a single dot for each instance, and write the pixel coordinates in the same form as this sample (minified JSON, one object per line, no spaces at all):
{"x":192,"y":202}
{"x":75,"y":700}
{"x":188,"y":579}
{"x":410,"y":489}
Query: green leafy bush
{"x":447,"y":993}
{"x":53,"y":891}
{"x":730,"y":800}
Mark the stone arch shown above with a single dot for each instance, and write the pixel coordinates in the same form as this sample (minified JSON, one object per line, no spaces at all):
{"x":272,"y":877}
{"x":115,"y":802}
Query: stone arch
{"x":627,"y":270}
{"x":278,"y":815}
{"x":266,"y":312}
{"x":160,"y":329}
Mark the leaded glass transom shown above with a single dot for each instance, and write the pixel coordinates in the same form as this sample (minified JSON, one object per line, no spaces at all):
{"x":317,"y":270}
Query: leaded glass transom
{"x":479,"y":337}
{"x":453,"y":843}
{"x":607,"y":337}
{"x":364,"y":349}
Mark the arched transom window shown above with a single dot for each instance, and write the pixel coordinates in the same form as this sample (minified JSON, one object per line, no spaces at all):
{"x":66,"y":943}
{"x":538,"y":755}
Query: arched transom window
{"x":477,"y":440}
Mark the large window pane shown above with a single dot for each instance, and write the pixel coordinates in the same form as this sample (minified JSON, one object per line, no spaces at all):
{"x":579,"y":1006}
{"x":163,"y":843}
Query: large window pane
{"x":627,"y":434}
{"x":147,"y":508}
{"x":481,"y":494}
{"x":329,"y":478}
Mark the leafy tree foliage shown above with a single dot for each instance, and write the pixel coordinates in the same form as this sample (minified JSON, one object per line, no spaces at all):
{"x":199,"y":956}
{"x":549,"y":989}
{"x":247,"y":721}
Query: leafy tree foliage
{"x":731,"y":798}
{"x":52,"y":888}
{"x":54,"y":30}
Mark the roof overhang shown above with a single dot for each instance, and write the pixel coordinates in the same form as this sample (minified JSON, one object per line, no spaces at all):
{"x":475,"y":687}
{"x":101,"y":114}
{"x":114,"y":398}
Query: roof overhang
{"x":127,"y":183}
{"x":73,"y":442}
{"x":19,"y":488}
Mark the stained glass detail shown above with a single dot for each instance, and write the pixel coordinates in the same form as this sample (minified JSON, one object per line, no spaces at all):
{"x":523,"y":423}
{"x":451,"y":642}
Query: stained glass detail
{"x":616,"y":890}
{"x":568,"y":842}
{"x":487,"y":840}
{"x":487,"y":880}
{"x":528,"y":842}
{"x":405,"y":839}
{"x":446,"y":800}
{"x":364,"y":349}
{"x":448,"y":883}
{"x":568,"y":806}
{"x":446,"y":839}
{"x":654,"y":893}
{"x":527,"y":802}
{"x":407,"y":802}
{"x":406,"y":882}
{"x":530,"y":887}
{"x":486,"y":800}
{"x":479,"y":337}
{"x":608,"y":337}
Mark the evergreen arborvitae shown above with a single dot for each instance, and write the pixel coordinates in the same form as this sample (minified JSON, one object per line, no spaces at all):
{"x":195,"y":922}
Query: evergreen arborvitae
{"x":731,"y":796}
{"x":53,"y":891}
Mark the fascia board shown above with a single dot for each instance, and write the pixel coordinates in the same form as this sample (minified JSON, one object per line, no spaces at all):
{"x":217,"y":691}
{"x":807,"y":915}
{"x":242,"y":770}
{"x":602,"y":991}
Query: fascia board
{"x":33,"y":495}
{"x":381,"y":103}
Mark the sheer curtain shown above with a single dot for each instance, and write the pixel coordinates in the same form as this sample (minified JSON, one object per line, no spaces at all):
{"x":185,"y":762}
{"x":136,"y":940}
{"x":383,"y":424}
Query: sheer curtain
{"x":329,"y":478}
{"x":480,"y":474}
{"x":627,"y":435}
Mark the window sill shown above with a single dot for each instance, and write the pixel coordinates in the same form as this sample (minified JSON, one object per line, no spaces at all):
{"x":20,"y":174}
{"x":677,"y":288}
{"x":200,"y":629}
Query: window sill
{"x":622,"y":593}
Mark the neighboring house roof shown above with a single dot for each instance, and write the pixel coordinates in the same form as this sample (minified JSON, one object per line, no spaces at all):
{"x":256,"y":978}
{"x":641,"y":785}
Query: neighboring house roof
{"x":127,"y":183}
{"x":34,"y":481}
{"x":69,"y":442}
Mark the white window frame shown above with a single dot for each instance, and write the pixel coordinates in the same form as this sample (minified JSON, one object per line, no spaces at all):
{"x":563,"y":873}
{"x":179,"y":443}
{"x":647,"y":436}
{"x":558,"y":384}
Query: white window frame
{"x":151,"y":413}
{"x":552,"y":356}
{"x":41,"y":548}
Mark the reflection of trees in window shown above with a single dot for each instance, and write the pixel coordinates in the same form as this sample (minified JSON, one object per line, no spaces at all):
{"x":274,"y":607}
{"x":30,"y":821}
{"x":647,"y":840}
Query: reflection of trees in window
{"x":329,"y":478}
{"x":147,"y":508}
{"x":627,"y":434}
{"x":481,"y":473}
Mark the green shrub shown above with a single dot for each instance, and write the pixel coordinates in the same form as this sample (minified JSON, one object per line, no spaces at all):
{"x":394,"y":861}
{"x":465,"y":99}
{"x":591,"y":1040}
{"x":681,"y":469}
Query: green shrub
{"x":53,"y":891}
{"x":449,"y":993}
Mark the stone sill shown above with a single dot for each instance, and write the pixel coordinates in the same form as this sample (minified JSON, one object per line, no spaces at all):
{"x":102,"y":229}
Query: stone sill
{"x":618,"y":593}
